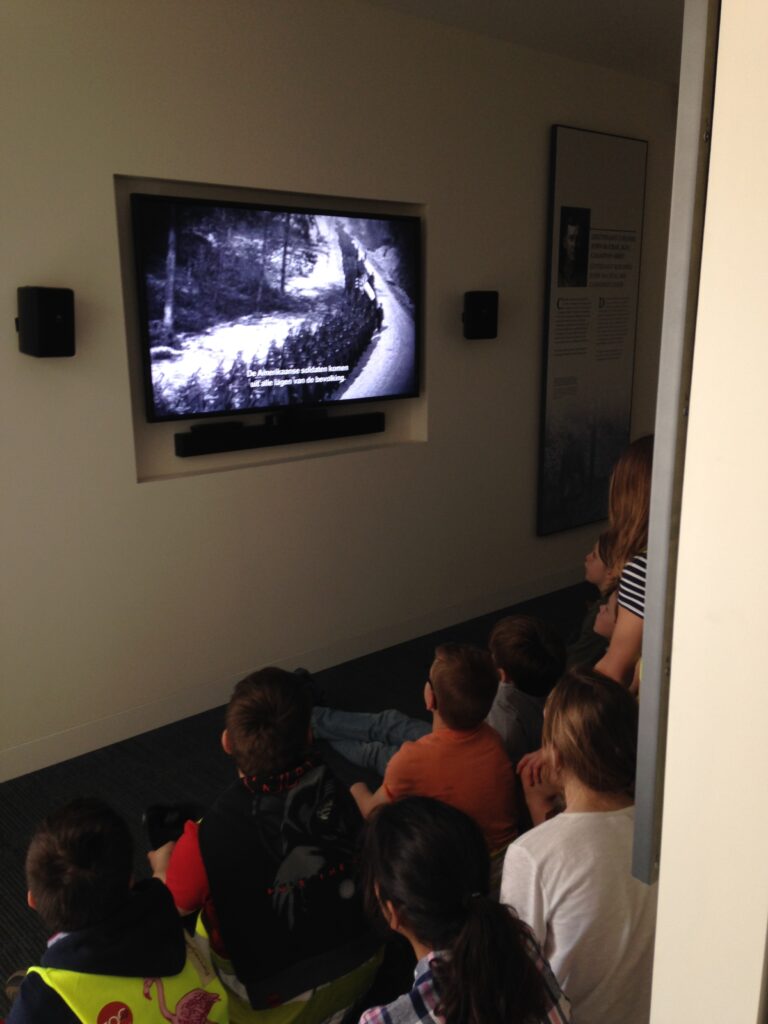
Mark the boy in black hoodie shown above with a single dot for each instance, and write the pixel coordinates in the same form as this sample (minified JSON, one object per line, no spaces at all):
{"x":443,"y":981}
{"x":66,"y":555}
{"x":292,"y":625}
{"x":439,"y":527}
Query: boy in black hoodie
{"x":118,"y":953}
{"x":272,"y":866}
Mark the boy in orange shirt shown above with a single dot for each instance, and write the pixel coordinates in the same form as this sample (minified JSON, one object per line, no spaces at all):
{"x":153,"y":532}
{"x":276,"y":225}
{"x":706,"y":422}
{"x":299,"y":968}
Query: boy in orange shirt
{"x":462,"y":761}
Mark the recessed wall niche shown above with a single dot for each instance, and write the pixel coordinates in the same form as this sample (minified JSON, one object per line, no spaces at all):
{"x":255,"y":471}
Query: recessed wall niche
{"x":307,"y":259}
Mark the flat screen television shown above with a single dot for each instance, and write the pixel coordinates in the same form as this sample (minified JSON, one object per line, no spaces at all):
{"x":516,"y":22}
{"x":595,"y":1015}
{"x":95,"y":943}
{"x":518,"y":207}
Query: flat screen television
{"x":246,"y":307}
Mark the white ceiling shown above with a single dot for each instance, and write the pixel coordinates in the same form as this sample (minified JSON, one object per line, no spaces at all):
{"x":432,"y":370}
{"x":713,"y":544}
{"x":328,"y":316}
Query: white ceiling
{"x":641,"y":37}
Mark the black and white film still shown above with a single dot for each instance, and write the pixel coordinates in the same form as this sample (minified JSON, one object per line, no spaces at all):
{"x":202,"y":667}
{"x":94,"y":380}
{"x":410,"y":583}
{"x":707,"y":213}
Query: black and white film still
{"x":255,"y":308}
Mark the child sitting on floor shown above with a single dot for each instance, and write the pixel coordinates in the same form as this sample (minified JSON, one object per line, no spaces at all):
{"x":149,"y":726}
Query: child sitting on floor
{"x":542,"y":791}
{"x":118,"y":951}
{"x":529,"y":657}
{"x":570,"y":878}
{"x":272,"y":865}
{"x":427,"y":874}
{"x":588,"y":646}
{"x":462,"y":761}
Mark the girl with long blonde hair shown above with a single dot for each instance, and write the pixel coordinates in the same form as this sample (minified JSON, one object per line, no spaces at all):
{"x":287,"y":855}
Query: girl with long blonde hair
{"x":629,"y":502}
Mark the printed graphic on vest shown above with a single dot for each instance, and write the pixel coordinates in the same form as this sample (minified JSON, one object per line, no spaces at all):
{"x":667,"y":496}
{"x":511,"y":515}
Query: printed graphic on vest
{"x":192,"y":1008}
{"x":115,"y":1013}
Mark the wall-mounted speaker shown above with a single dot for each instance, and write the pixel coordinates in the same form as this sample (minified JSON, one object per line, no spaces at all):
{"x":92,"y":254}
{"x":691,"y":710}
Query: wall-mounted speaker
{"x":46,"y":321}
{"x":481,"y":314}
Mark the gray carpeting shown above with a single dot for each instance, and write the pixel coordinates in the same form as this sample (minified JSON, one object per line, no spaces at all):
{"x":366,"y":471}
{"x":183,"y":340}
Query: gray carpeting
{"x":184,"y":762}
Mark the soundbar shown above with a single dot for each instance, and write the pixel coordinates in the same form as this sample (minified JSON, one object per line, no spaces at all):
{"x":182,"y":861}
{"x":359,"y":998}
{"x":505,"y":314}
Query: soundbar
{"x":210,"y":439}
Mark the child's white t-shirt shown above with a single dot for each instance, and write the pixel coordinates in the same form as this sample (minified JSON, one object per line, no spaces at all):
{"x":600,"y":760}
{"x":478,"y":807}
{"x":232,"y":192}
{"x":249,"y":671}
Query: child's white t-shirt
{"x":570,"y":880}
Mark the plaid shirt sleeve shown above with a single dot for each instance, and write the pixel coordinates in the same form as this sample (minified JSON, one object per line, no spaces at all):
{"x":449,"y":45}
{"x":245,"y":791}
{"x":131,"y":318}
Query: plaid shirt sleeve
{"x":415,"y":1006}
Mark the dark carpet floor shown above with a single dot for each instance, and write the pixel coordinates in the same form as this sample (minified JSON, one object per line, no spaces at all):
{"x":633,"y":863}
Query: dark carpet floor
{"x":183,"y":762}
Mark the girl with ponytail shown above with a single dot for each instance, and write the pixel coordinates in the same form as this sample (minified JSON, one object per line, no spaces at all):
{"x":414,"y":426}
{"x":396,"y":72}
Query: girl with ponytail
{"x":426,"y":872}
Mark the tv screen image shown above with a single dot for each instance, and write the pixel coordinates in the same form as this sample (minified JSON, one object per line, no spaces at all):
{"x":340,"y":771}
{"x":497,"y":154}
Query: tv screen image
{"x":245,"y":307}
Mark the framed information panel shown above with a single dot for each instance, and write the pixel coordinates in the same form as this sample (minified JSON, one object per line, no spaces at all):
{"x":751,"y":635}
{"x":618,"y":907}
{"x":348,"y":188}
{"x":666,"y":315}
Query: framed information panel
{"x":597,"y":193}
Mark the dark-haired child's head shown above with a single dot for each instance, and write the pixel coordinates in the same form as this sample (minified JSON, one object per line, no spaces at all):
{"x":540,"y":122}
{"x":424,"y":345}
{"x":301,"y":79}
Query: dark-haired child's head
{"x":426,"y":861}
{"x":604,"y":547}
{"x":529,"y":652}
{"x":590,"y":728}
{"x":267,"y":722}
{"x":79,"y":865}
{"x":598,"y":563}
{"x":426,"y":871}
{"x":463,"y":681}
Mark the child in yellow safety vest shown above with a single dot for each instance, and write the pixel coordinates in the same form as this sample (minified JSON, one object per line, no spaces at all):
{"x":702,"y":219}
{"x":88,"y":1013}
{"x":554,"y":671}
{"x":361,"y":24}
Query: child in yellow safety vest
{"x":118,"y":953}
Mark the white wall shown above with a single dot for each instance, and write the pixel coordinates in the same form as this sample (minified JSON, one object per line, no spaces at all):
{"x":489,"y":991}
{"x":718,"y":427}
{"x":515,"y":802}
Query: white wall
{"x":713,"y":894}
{"x":127,"y":604}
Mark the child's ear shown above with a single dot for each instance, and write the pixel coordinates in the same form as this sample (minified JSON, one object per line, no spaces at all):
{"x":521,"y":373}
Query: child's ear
{"x":390,"y":915}
{"x":429,"y":696}
{"x":503,"y":677}
{"x":226,"y":742}
{"x":31,"y":901}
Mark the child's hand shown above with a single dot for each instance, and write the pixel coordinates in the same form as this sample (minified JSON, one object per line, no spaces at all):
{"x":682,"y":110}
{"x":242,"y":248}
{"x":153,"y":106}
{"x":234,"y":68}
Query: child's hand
{"x":160,"y":859}
{"x":531,"y":767}
{"x":543,"y":796}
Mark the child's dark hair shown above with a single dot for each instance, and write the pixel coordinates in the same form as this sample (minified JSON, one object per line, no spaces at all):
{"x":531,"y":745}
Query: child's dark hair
{"x":431,"y":863}
{"x":464,"y":683}
{"x":79,"y":865}
{"x":605,"y":548}
{"x":591,"y":722}
{"x":529,"y":651}
{"x":267,"y":722}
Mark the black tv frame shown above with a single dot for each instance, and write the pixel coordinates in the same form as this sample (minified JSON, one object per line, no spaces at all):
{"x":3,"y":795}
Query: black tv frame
{"x":287,"y":422}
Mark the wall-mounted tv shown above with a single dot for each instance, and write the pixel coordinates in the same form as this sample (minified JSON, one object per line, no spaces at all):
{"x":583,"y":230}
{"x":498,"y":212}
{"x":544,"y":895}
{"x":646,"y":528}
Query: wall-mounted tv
{"x":247,"y":307}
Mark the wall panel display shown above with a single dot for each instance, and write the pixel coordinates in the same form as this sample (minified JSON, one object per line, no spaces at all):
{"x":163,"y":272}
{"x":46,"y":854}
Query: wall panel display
{"x":597,"y":192}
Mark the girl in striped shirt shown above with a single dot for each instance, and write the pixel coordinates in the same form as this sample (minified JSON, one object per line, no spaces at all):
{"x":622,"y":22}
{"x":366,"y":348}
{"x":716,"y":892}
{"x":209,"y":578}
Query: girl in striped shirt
{"x":629,"y":501}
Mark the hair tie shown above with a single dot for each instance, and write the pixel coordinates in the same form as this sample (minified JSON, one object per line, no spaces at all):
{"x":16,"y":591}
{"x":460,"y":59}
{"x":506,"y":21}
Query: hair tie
{"x":469,"y":897}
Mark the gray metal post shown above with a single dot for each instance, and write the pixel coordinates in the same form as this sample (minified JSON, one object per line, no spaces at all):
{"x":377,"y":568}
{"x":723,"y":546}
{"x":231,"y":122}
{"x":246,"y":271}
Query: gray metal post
{"x":694,"y":115}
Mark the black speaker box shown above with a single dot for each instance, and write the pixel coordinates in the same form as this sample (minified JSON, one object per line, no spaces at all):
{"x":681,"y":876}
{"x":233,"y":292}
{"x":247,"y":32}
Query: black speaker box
{"x":209,"y":439}
{"x":481,"y":313}
{"x":46,"y":321}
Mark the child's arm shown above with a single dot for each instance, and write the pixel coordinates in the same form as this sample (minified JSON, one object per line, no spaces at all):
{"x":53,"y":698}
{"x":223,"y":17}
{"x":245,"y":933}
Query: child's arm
{"x":159,"y":860}
{"x":366,"y":800}
{"x":619,"y":660}
{"x":634,"y":688}
{"x":181,"y":867}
